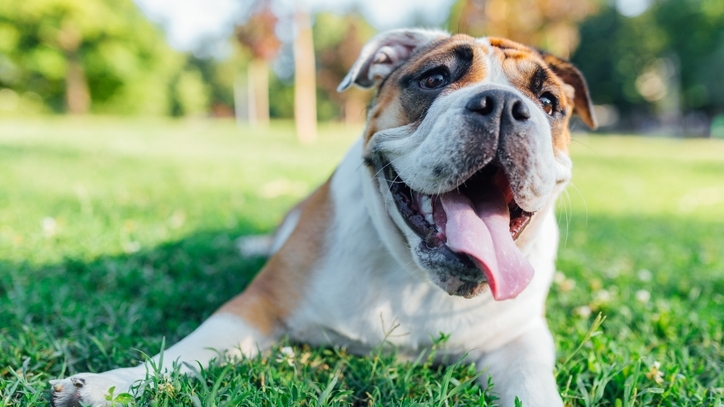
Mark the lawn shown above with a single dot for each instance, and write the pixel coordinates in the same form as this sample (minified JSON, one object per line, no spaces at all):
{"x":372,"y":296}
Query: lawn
{"x":117,"y":235}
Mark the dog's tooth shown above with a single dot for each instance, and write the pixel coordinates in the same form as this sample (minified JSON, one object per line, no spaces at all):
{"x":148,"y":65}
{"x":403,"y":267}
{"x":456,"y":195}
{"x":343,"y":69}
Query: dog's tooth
{"x":426,"y":205}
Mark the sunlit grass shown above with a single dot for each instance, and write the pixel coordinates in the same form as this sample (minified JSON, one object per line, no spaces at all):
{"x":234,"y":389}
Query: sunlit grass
{"x":117,"y":233}
{"x":99,"y":185}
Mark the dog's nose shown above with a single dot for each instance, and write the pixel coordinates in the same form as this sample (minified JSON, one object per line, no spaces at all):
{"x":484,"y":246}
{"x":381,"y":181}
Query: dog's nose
{"x":499,"y":104}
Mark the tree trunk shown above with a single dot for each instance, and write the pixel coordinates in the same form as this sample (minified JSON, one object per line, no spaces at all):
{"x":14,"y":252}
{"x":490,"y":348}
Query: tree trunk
{"x":241,"y":101}
{"x":77,"y":96}
{"x":305,"y":89}
{"x":258,"y":88}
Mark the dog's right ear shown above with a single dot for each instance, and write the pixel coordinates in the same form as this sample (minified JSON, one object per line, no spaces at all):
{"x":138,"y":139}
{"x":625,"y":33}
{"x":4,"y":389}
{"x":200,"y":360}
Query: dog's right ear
{"x":385,"y":52}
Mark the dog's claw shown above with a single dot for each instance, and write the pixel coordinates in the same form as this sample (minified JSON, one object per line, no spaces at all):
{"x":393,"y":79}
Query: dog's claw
{"x":77,"y":382}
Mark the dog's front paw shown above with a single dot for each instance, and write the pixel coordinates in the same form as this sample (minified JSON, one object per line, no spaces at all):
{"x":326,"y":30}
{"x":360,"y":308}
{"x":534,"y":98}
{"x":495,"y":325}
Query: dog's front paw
{"x":86,"y":389}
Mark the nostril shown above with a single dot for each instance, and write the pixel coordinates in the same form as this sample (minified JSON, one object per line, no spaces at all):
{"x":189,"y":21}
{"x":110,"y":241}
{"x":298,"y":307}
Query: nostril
{"x":520,"y":111}
{"x":487,"y":105}
{"x":483,"y":104}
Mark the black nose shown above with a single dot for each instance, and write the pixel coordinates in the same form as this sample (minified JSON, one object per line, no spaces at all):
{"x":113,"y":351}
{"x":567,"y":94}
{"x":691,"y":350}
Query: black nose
{"x":499,"y":104}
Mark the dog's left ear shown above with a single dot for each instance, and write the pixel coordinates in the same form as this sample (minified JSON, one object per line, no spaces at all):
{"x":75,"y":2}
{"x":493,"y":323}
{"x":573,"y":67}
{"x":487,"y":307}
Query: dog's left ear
{"x":385,"y":52}
{"x":571,"y":76}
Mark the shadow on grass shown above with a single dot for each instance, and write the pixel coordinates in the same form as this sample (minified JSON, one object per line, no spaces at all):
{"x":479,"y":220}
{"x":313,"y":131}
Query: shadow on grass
{"x":81,"y":316}
{"x":100,"y":314}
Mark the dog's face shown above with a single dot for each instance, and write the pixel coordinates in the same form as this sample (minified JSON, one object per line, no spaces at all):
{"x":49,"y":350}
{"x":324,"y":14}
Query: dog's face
{"x":467,"y":143}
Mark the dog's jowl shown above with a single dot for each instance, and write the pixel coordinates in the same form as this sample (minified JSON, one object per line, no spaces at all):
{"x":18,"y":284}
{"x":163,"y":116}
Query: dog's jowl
{"x":439,"y":219}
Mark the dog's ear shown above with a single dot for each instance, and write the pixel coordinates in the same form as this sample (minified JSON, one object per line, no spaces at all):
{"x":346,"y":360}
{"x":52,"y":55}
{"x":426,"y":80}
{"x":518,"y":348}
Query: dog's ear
{"x":385,"y":52}
{"x":571,"y":76}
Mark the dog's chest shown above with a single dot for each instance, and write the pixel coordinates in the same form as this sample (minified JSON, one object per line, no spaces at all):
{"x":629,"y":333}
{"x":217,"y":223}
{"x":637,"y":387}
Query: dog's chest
{"x":368,"y":299}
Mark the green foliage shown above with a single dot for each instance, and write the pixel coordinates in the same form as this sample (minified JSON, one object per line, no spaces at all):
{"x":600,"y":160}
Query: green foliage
{"x":192,"y":93}
{"x":281,"y":98}
{"x":219,"y":76}
{"x":127,"y":64}
{"x":121,"y":398}
{"x":115,"y":235}
{"x":615,"y":50}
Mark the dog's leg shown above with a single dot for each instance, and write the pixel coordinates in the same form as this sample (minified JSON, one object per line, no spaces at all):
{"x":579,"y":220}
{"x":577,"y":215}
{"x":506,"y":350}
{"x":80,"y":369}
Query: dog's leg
{"x":246,"y":324}
{"x":524,"y":369}
{"x":222,"y":334}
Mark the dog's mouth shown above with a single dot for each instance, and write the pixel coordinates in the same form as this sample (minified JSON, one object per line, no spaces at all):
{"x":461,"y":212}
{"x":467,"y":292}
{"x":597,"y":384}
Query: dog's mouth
{"x":479,"y":219}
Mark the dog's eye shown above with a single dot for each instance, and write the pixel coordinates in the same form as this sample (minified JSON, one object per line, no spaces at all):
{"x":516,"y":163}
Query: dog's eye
{"x":433,"y":81}
{"x":549,"y":103}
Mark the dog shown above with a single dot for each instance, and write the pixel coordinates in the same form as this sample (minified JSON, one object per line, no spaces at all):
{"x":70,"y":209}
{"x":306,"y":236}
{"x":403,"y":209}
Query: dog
{"x":440,"y":219}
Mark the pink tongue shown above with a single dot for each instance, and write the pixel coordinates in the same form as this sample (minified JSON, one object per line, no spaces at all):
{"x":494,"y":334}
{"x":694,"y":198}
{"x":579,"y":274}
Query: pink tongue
{"x":482,"y":230}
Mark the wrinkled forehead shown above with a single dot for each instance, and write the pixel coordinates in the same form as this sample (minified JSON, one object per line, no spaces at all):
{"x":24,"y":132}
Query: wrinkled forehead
{"x":494,"y":59}
{"x":489,"y":59}
{"x":470,"y":61}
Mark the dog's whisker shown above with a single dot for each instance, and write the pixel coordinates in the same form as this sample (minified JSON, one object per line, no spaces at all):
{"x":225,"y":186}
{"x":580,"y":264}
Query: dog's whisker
{"x":585,"y":205}
{"x":566,"y":208}
{"x":389,"y":163}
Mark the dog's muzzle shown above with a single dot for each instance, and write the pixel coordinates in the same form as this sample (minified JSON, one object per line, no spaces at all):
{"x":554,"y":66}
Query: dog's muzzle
{"x":474,"y":225}
{"x":470,"y":227}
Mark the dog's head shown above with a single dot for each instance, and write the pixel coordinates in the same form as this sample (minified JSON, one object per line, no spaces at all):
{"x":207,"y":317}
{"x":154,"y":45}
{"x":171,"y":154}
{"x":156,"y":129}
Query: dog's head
{"x":466,"y":142}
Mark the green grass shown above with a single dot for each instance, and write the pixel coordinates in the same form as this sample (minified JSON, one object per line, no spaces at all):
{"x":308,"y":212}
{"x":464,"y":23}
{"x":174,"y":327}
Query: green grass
{"x":116,"y":234}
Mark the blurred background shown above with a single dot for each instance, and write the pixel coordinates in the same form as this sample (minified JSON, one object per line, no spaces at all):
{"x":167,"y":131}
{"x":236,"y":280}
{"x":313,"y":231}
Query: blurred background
{"x":653,"y":66}
{"x":140,"y":138}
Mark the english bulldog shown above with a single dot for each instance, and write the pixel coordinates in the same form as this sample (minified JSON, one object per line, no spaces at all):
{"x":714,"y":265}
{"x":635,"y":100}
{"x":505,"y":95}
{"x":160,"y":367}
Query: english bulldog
{"x":440,"y":219}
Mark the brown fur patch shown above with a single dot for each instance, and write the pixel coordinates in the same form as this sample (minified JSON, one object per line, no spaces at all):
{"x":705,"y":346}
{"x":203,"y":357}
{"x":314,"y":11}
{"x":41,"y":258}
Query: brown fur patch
{"x":505,"y":44}
{"x":386,"y":113}
{"x":520,"y":63}
{"x":387,"y":110}
{"x":278,"y":287}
